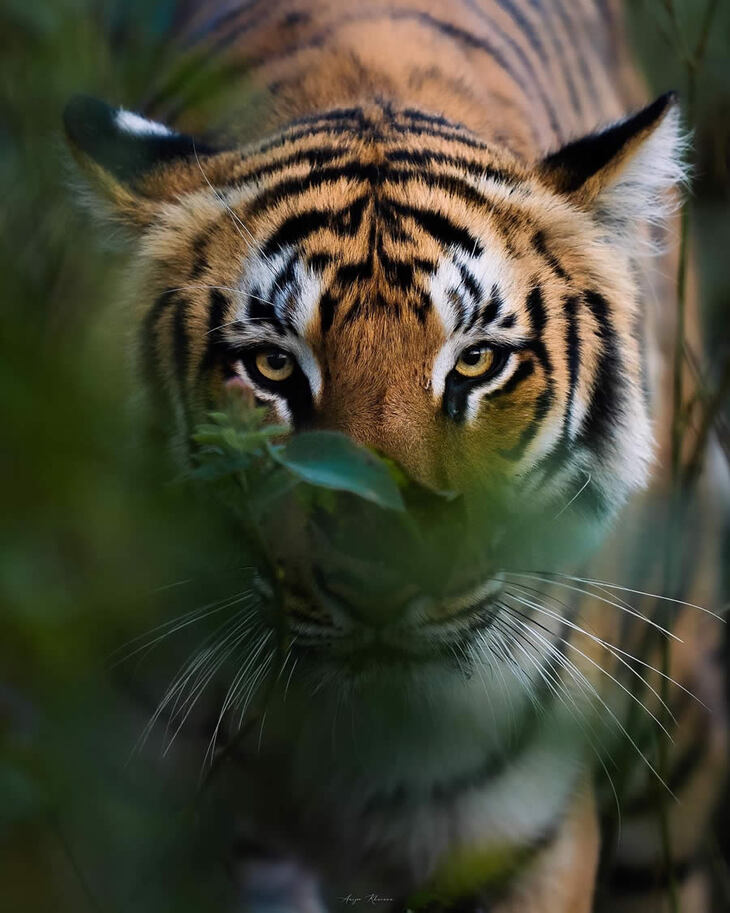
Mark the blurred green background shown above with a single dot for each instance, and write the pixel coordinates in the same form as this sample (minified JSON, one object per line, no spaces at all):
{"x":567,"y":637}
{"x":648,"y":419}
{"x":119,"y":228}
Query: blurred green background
{"x":96,"y":544}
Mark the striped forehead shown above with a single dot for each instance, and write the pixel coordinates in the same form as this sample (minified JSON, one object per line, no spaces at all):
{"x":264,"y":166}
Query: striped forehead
{"x":472,"y":289}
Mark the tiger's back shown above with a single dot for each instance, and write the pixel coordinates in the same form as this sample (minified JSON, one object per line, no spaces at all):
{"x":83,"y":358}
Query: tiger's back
{"x":527,"y":75}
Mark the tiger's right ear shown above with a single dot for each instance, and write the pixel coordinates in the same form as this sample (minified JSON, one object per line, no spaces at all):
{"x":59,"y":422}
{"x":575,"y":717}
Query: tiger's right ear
{"x":136,"y":164}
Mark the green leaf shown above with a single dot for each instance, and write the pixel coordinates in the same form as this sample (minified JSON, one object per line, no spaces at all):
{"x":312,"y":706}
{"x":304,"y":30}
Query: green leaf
{"x":327,"y":459}
{"x":237,"y":441}
{"x":217,"y":466}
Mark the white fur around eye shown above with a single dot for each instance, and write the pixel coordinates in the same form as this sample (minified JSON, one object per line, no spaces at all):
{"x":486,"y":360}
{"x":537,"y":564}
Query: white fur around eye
{"x":128,"y":122}
{"x":476,"y":396}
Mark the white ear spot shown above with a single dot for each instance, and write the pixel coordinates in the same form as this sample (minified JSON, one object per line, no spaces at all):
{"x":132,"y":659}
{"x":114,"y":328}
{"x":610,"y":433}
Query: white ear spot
{"x":128,"y":122}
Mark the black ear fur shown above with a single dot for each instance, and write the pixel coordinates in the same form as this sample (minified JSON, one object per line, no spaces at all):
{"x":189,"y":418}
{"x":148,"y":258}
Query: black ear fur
{"x":96,"y":131}
{"x":572,"y":166}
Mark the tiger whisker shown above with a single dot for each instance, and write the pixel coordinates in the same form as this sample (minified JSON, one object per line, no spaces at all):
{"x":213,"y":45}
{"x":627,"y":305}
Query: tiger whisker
{"x":178,"y":624}
{"x":624,"y":608}
{"x":575,"y":496}
{"x":586,"y":726}
{"x":255,"y":683}
{"x":291,"y":673}
{"x":261,"y":733}
{"x":197,"y":667}
{"x":196,"y":694}
{"x":620,"y":725}
{"x":189,"y":668}
{"x":611,"y":647}
{"x":626,"y":589}
{"x":170,"y":586}
{"x":232,"y":693}
{"x":572,"y":646}
{"x":237,"y":222}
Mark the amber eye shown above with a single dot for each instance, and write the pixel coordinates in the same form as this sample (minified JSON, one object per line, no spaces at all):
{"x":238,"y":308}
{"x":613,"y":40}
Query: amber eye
{"x":275,"y":364}
{"x":475,"y":361}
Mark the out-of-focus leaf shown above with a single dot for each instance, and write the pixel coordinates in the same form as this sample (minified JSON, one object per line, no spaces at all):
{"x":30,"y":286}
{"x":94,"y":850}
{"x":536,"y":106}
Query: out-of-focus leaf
{"x":331,"y":460}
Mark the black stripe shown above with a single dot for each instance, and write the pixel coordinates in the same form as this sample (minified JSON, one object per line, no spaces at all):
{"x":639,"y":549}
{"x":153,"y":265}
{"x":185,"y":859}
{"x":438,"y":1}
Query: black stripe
{"x":579,"y":47}
{"x":336,"y":114}
{"x":535,"y":80}
{"x":471,"y":166}
{"x":401,"y":273}
{"x":372,"y":175}
{"x":327,"y":306}
{"x":263,"y":311}
{"x":647,"y":879}
{"x":471,"y":284}
{"x":285,"y":277}
{"x":535,"y":307}
{"x":572,"y":343}
{"x":356,"y":271}
{"x":507,"y":220}
{"x":320,"y":261}
{"x":438,"y":226}
{"x":217,"y":310}
{"x":539,"y":243}
{"x":181,"y":354}
{"x":315,"y":156}
{"x":492,"y":309}
{"x":299,"y":227}
{"x":608,"y":396}
{"x":439,"y":119}
{"x":149,"y":340}
{"x":233,"y":34}
{"x":200,"y":255}
{"x":447,"y":29}
{"x":561,"y":55}
{"x":292,"y":136}
{"x":223,"y":19}
{"x":180,"y":343}
{"x":469,"y":40}
{"x":453,"y":136}
{"x":524,"y":370}
{"x":542,"y":407}
{"x":354,"y":171}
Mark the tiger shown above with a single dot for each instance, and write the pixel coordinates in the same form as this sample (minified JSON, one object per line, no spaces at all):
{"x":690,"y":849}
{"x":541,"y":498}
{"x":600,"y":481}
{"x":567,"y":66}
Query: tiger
{"x":444,"y":229}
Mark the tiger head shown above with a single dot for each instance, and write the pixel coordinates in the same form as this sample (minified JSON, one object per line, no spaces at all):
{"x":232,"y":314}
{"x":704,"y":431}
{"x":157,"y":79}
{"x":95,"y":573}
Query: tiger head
{"x":384,"y":273}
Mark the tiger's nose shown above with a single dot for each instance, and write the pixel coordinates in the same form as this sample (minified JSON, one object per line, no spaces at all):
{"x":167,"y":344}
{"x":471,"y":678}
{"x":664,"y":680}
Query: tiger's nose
{"x":373,"y":597}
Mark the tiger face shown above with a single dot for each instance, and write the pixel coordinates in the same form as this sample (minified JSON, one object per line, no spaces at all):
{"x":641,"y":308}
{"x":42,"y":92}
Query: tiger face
{"x":384,"y":273}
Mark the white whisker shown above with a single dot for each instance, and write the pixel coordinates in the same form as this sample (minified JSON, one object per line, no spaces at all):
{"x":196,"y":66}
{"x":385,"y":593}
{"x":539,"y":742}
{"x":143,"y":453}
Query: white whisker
{"x":568,"y":643}
{"x":237,"y":222}
{"x":624,"y":608}
{"x":575,"y":496}
{"x":626,"y":589}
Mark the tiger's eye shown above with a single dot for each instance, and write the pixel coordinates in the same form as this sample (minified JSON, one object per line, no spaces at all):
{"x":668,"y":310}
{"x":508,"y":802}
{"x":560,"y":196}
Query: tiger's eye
{"x":475,"y":361}
{"x":275,"y":364}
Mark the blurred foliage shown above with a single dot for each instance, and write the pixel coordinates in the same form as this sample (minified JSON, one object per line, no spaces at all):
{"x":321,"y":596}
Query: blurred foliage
{"x":97,"y":545}
{"x":663,"y":33}
{"x":93,"y":528}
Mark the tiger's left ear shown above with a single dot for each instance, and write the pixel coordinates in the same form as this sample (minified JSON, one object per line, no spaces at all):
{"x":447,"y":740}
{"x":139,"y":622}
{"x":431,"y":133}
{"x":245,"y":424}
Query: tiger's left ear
{"x":133,"y":164}
{"x":623,"y":173}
